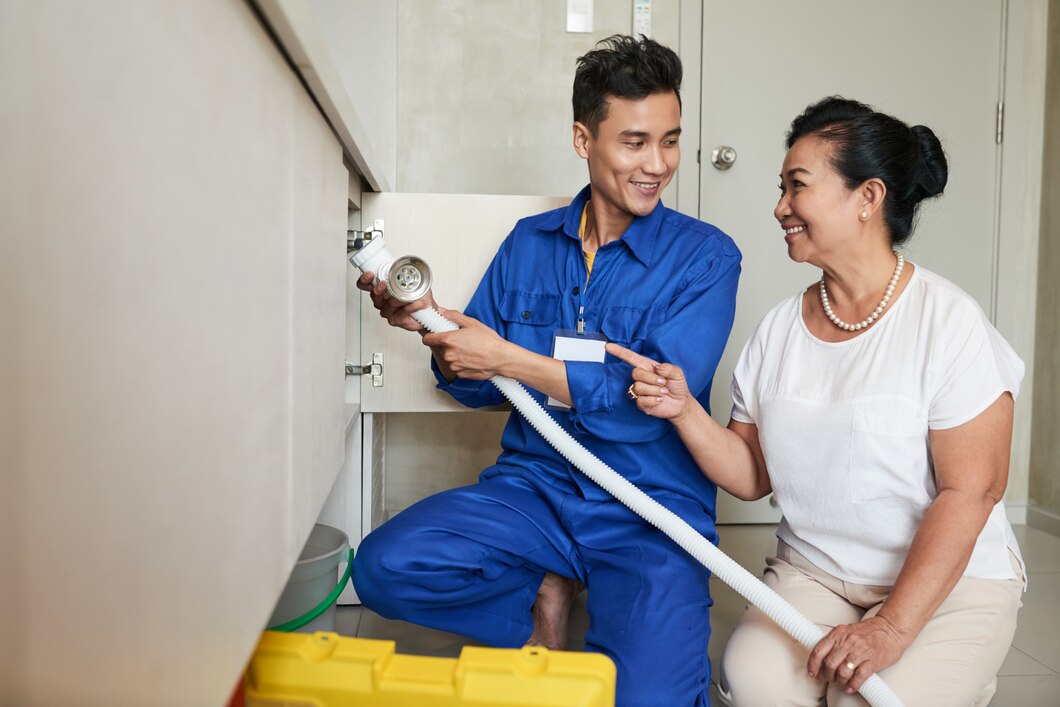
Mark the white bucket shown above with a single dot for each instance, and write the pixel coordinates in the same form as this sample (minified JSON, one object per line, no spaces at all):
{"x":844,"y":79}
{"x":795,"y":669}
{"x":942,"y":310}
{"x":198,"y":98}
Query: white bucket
{"x":314,"y":577}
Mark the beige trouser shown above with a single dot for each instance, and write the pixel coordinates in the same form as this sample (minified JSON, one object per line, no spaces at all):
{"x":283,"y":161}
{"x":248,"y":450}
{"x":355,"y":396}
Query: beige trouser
{"x":954,"y":660}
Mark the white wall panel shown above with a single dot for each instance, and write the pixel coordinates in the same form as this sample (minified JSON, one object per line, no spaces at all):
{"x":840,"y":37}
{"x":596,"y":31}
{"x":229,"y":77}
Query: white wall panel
{"x":175,"y":193}
{"x":317,"y":339}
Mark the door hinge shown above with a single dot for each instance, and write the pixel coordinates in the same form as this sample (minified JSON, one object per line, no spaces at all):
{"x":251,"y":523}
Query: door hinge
{"x":1000,"y":123}
{"x":373,"y":369}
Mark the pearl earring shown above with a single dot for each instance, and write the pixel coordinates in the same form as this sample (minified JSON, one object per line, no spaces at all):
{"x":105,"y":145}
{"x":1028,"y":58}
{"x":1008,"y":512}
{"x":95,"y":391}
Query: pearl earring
{"x":864,"y":215}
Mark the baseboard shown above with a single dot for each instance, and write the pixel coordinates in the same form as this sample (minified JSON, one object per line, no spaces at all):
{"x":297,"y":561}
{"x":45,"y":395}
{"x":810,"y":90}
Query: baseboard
{"x":1043,"y":519}
{"x":1016,"y":513}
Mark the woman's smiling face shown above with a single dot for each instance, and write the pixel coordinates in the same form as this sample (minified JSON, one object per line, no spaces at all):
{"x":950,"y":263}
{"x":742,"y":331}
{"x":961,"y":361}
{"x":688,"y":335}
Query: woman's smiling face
{"x":816,"y":210}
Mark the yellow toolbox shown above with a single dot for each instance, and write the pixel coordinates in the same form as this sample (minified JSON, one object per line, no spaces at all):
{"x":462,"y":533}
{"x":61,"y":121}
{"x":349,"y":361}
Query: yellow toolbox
{"x":328,"y":670}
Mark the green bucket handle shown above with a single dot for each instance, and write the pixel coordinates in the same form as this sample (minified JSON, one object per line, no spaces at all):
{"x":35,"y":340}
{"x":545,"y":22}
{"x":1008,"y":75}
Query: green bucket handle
{"x":297,"y":623}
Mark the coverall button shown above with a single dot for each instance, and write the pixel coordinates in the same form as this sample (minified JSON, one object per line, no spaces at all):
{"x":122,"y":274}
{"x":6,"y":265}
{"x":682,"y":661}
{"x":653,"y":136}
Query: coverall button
{"x":526,"y":314}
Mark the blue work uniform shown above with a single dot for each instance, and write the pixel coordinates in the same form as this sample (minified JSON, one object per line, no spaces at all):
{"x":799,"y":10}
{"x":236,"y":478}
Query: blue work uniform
{"x":470,"y":560}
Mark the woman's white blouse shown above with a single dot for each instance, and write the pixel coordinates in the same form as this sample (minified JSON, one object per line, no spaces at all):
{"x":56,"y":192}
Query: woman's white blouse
{"x":844,"y":426}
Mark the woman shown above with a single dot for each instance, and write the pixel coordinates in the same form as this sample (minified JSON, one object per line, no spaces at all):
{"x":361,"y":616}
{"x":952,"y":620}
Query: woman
{"x":877,"y":406}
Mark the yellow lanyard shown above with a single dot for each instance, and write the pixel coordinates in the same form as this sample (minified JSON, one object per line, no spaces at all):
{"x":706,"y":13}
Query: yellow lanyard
{"x":589,"y":257}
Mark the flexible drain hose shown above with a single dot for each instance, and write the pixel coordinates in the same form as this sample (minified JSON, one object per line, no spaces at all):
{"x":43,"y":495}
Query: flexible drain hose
{"x":721,"y":565}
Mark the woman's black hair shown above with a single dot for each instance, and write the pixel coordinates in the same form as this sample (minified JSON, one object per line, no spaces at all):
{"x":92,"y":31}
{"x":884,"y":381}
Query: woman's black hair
{"x":625,"y":67}
{"x":867,"y":144}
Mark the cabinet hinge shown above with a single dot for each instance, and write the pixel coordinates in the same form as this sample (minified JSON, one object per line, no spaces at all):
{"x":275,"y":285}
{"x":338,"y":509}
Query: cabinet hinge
{"x":355,"y":239}
{"x":373,"y":369}
{"x":1000,"y":123}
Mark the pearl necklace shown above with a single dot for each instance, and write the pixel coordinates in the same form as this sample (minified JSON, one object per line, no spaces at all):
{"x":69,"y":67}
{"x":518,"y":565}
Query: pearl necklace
{"x":876,"y":312}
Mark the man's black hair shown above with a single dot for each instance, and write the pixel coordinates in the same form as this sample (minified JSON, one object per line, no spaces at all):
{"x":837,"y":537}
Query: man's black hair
{"x":625,"y":67}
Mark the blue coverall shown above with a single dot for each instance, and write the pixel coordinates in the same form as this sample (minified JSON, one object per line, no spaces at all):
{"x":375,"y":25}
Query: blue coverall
{"x":470,"y":560}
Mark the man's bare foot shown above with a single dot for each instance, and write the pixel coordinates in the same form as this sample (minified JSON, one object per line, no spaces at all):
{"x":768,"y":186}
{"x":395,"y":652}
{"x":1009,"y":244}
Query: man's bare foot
{"x":551,"y":611}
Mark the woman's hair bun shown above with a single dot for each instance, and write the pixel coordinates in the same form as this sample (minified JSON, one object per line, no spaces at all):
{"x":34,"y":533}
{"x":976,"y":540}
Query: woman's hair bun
{"x":866,"y":144}
{"x":933,"y":170}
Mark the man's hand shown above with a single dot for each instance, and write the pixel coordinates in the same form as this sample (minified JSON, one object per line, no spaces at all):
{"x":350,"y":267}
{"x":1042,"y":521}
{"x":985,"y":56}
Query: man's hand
{"x":474,"y":351}
{"x":661,"y":388}
{"x":397,"y":314}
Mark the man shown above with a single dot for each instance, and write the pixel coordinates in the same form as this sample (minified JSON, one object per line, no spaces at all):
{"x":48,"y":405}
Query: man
{"x":502,"y":560}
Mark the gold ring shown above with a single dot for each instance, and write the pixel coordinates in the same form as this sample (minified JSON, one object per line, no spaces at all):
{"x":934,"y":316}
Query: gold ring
{"x":629,"y":392}
{"x":851,"y":666}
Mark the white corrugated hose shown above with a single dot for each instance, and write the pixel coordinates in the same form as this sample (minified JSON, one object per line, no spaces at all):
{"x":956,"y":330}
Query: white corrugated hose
{"x":721,"y":565}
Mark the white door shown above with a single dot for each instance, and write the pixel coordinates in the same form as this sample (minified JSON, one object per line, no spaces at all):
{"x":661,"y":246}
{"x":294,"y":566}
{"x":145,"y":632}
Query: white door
{"x":934,"y":63}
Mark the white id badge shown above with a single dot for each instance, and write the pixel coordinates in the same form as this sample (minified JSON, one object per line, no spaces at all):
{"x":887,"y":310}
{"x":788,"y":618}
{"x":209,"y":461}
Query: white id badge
{"x":569,"y":345}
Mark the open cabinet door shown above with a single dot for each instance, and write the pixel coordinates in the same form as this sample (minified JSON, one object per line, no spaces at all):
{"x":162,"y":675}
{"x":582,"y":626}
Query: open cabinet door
{"x":457,"y":235}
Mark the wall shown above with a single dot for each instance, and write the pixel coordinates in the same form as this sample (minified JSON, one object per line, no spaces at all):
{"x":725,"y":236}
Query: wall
{"x":359,"y":35}
{"x":1044,"y":510}
{"x":484,"y":92}
{"x":172,"y":291}
{"x":1019,"y":197}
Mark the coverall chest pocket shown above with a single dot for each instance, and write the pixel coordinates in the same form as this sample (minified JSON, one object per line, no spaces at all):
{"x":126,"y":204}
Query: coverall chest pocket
{"x":529,"y":309}
{"x":624,"y":325}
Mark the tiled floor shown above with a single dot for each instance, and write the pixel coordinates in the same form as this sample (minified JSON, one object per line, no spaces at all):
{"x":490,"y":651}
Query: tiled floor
{"x":1029,"y":677}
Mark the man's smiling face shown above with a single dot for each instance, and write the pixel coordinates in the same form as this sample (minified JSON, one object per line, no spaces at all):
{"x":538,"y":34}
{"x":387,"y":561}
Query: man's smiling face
{"x":635,"y":152}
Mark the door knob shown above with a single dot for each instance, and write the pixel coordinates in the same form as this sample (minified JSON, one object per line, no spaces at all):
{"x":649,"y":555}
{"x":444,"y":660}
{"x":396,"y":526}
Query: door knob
{"x":723,"y":157}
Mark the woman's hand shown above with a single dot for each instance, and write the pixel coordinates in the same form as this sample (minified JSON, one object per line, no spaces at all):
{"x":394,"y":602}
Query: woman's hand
{"x":870,"y":646}
{"x":661,"y":388}
{"x":397,"y":314}
{"x":474,"y":351}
